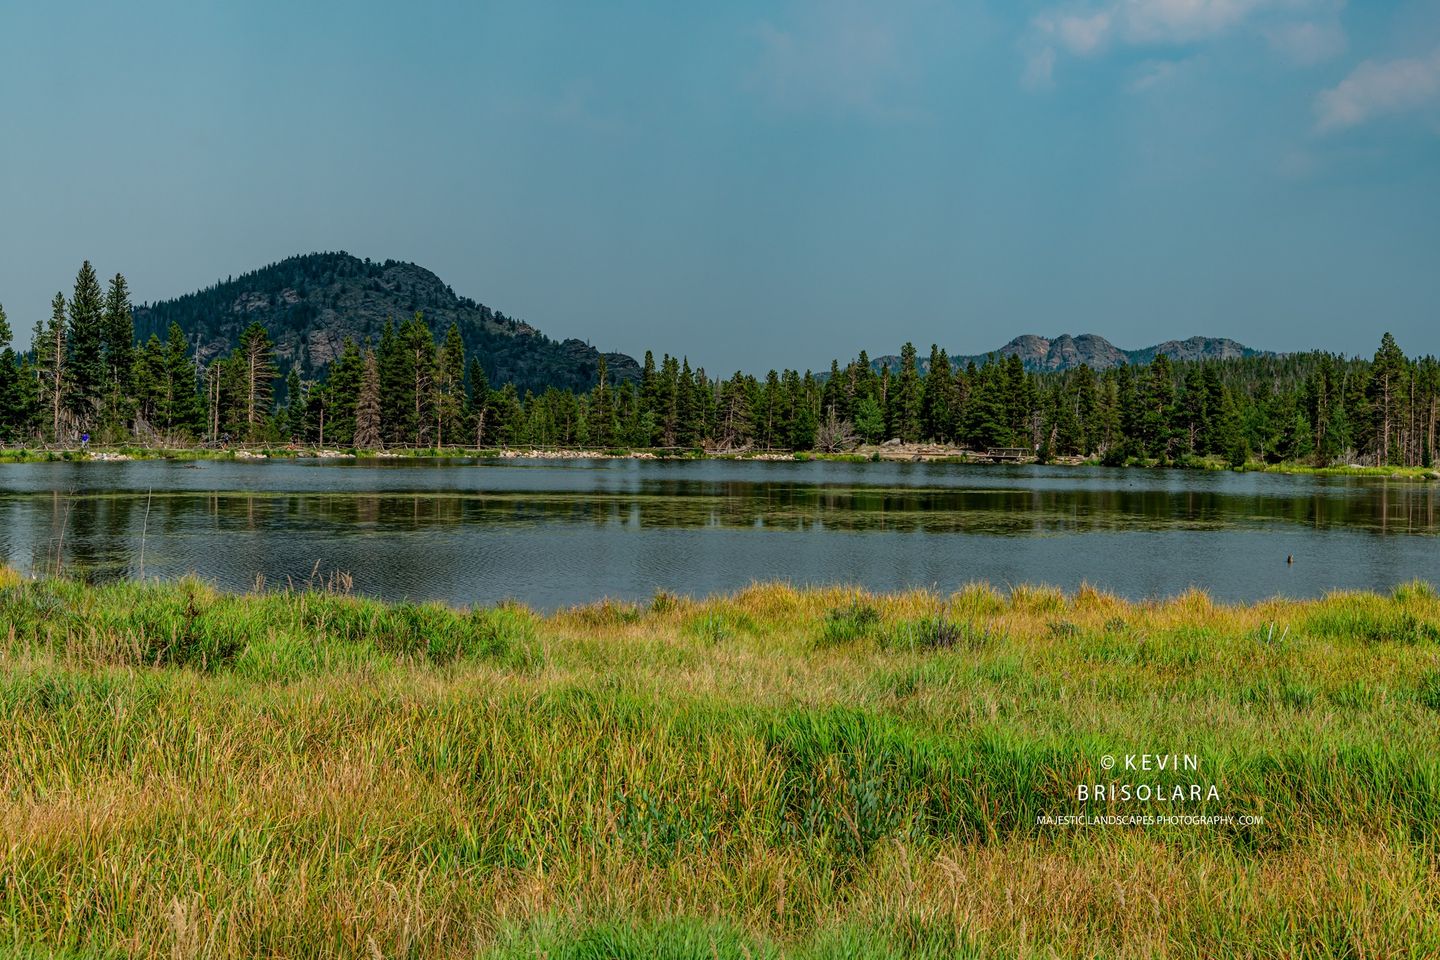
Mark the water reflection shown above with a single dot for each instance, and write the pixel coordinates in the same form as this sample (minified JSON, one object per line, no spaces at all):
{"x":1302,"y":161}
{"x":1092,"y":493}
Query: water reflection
{"x":554,"y":534}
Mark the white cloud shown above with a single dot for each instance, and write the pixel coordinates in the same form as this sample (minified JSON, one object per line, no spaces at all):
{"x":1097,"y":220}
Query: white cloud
{"x":1377,"y":88}
{"x":1185,"y":21}
{"x":1081,"y":35}
{"x":1091,"y":30}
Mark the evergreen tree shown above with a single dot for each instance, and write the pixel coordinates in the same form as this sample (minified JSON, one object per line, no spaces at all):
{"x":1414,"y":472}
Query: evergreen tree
{"x":652,"y":401}
{"x":418,"y":367}
{"x":86,"y":346}
{"x":870,"y":420}
{"x":508,"y":415}
{"x":667,"y":402}
{"x":450,"y":389}
{"x":293,"y":418}
{"x":806,"y":420}
{"x":1019,"y":400}
{"x":396,"y":386}
{"x":1157,"y":400}
{"x":178,"y":412}
{"x":118,"y":332}
{"x":479,"y":399}
{"x":343,"y":388}
{"x":12,"y":415}
{"x":689,"y":430}
{"x":1131,"y":412}
{"x":602,"y":407}
{"x":1090,"y":425}
{"x":28,"y":409}
{"x":903,"y":415}
{"x":937,"y":414}
{"x":1386,"y":393}
{"x":985,"y":423}
{"x":734,"y":425}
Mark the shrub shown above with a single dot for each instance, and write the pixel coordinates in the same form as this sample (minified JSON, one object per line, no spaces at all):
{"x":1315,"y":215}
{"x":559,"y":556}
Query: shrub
{"x":935,"y":632}
{"x":854,"y":621}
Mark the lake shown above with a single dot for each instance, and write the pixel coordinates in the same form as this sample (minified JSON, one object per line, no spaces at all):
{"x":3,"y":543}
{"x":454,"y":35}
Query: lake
{"x":553,"y":533}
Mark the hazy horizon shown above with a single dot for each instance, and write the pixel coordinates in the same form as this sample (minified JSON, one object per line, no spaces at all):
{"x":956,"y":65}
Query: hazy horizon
{"x":756,"y":186}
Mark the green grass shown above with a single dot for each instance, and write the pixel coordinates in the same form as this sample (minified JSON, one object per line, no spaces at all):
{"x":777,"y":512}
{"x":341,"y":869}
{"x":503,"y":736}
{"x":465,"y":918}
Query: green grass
{"x":778,"y":773}
{"x":1398,"y":473}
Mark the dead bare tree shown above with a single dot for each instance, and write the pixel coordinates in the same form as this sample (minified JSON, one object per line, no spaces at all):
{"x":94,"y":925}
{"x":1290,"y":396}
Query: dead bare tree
{"x":835,"y":435}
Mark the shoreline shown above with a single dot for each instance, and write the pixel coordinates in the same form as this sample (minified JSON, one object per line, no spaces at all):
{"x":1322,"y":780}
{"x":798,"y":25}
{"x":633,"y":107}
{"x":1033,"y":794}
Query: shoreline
{"x":901,"y":453}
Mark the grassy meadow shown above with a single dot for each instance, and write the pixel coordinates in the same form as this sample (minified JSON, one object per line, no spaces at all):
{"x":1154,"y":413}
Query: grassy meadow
{"x":778,"y":773}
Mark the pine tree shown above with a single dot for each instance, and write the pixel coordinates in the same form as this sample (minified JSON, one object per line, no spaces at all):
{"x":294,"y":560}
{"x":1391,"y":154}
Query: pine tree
{"x":869,"y":420}
{"x":292,"y":421}
{"x":905,"y":401}
{"x":12,"y":414}
{"x":1131,"y":416}
{"x":367,"y":405}
{"x":652,"y":401}
{"x":1018,"y":400}
{"x":508,"y":415}
{"x":479,"y":386}
{"x":832,"y":394}
{"x":86,"y":345}
{"x":179,"y":412}
{"x":450,"y":388}
{"x":602,"y":407}
{"x":147,"y":375}
{"x":29,"y":410}
{"x":707,"y":404}
{"x":416,"y":371}
{"x":667,"y":405}
{"x":960,"y":396}
{"x":1089,"y":422}
{"x":936,"y":415}
{"x":1386,"y":393}
{"x":689,"y":427}
{"x":395,"y":385}
{"x":343,"y":393}
{"x":985,"y":424}
{"x":1157,"y":399}
{"x":805,"y":420}
{"x":734,"y":425}
{"x":118,"y":331}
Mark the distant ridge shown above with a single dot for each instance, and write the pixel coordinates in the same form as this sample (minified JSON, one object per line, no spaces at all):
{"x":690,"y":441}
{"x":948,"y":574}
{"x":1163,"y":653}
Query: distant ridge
{"x":310,"y":304}
{"x":1088,"y":349}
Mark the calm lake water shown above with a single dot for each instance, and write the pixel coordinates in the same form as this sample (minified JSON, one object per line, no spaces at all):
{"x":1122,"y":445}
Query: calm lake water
{"x":554,"y":533}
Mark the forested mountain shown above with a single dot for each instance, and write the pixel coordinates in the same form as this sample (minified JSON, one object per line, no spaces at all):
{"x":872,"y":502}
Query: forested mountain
{"x":1090,"y":350}
{"x":87,"y":376}
{"x":309,"y":305}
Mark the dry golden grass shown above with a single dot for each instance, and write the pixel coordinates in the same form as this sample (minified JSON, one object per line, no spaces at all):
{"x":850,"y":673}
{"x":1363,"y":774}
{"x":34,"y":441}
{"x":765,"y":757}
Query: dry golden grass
{"x":816,"y":773}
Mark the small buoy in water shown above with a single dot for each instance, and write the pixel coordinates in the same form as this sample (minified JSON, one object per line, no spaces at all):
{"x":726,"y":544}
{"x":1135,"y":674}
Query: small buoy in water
{"x":1290,"y":558}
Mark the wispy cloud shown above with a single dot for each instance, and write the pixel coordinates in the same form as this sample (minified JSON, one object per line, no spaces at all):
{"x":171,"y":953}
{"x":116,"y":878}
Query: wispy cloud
{"x":1377,"y":88}
{"x":1153,"y":74}
{"x":847,"y":56}
{"x":1302,"y":30}
{"x":1307,"y":42}
{"x":1039,"y":68}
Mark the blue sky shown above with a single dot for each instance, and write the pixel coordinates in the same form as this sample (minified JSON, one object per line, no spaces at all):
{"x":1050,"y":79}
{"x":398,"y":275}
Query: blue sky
{"x":753,"y":184}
